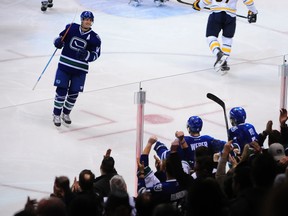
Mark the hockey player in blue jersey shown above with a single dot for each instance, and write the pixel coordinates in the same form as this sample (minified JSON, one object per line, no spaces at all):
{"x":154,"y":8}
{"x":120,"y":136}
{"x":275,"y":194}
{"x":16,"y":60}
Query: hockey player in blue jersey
{"x":81,"y":45}
{"x":241,"y":133}
{"x":195,"y":140}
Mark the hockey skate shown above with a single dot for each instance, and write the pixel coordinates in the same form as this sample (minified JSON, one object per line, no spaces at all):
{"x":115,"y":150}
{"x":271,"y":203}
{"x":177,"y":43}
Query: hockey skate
{"x":66,"y":118}
{"x":46,"y":4}
{"x":224,"y":68}
{"x":159,"y":2}
{"x":220,"y":60}
{"x":135,"y":3}
{"x":57,"y":120}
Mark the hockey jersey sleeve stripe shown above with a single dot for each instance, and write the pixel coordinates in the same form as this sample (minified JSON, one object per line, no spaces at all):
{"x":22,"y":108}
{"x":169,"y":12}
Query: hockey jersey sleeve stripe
{"x":204,"y":3}
{"x":92,"y":56}
{"x":88,"y":55}
{"x":248,"y":2}
{"x":250,"y":5}
{"x":151,"y":179}
{"x":216,"y":9}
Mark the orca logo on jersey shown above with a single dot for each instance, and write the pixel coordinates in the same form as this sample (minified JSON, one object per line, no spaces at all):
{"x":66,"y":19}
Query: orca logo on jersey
{"x":158,"y":187}
{"x":77,"y":43}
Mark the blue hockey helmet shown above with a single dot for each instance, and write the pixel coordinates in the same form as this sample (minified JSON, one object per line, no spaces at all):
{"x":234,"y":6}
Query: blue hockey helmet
{"x":194,"y":124}
{"x":87,"y":15}
{"x":237,"y":115}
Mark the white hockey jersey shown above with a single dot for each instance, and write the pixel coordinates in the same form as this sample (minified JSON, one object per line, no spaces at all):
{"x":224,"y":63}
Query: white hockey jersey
{"x":229,"y":6}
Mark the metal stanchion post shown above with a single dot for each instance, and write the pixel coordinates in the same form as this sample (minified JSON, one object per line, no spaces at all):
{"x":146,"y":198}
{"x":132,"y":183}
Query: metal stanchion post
{"x":283,"y":74}
{"x":139,"y":99}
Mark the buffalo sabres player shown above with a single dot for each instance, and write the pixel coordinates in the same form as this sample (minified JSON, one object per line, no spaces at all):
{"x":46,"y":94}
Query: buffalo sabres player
{"x":241,"y":133}
{"x":223,"y":17}
{"x":81,"y":45}
{"x":194,"y":141}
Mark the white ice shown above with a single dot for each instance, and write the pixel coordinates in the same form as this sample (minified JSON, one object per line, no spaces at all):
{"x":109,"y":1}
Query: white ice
{"x":162,"y":49}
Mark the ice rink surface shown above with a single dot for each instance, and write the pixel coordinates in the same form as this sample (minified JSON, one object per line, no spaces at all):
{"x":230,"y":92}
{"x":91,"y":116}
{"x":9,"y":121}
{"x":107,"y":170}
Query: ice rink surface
{"x":162,"y":49}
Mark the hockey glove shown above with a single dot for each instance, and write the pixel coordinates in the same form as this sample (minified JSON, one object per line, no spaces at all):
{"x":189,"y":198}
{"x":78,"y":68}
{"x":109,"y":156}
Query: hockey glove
{"x":58,"y":43}
{"x":82,"y":54}
{"x":196,"y":6}
{"x":252,"y":17}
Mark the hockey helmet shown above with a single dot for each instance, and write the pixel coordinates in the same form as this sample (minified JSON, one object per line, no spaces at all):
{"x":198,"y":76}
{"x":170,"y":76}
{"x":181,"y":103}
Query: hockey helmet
{"x":87,"y":15}
{"x":237,"y":115}
{"x":194,"y":124}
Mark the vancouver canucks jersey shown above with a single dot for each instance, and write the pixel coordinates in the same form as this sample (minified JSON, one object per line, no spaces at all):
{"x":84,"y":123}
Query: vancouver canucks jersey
{"x":169,"y":191}
{"x":74,"y":40}
{"x":214,"y":145}
{"x":242,"y":134}
{"x":164,"y":192}
{"x":229,"y":6}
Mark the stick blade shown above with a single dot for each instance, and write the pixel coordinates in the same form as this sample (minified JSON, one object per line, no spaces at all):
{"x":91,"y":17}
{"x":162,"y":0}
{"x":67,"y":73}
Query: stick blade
{"x":222,"y":104}
{"x":216,"y":99}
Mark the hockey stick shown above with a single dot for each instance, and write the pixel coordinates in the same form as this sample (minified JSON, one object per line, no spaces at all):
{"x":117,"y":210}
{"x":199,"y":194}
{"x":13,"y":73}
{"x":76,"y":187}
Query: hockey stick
{"x":66,"y":32}
{"x":187,"y":3}
{"x":44,"y":69}
{"x":222,"y":104}
{"x":207,"y":8}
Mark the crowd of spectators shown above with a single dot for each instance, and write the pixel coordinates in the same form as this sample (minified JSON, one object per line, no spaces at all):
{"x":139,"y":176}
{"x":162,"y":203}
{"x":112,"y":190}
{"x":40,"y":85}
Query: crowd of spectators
{"x":195,"y":175}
